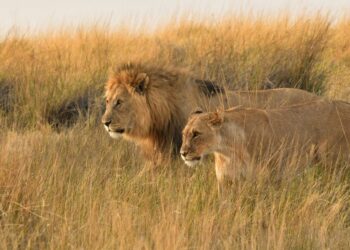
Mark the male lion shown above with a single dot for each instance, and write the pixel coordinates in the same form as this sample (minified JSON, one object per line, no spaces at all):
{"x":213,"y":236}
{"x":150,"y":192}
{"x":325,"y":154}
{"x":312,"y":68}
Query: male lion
{"x":315,"y":131}
{"x":149,"y":105}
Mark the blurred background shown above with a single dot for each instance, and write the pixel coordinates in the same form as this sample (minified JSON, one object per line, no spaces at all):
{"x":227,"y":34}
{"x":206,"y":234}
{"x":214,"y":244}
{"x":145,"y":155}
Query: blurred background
{"x":40,"y":14}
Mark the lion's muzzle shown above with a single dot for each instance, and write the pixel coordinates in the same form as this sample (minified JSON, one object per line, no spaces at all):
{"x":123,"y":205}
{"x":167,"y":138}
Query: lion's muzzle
{"x":115,"y":133}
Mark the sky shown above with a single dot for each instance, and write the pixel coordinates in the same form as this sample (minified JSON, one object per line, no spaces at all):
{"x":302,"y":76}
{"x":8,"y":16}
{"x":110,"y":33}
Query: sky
{"x":42,"y":14}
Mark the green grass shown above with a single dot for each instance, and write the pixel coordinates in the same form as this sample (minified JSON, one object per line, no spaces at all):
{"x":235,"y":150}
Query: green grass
{"x":79,"y":189}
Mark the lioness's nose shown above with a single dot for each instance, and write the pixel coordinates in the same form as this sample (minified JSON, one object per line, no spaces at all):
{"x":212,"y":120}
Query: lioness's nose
{"x":183,"y":153}
{"x":107,"y":123}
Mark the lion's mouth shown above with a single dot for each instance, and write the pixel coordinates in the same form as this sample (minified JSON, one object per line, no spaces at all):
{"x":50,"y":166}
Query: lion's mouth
{"x":117,"y":130}
{"x":115,"y":133}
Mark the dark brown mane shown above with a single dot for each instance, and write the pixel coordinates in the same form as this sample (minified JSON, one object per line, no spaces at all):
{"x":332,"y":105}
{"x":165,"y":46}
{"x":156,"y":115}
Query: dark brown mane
{"x":209,"y":88}
{"x":168,"y":139}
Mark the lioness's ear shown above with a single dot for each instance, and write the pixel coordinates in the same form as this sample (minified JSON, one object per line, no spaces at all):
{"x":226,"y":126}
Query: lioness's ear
{"x":196,"y":111}
{"x":216,"y":119}
{"x":141,"y":83}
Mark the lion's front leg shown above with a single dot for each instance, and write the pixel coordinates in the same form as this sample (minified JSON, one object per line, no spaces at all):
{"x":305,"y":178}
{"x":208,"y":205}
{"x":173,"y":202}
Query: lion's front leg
{"x":155,"y":160}
{"x":151,"y":165}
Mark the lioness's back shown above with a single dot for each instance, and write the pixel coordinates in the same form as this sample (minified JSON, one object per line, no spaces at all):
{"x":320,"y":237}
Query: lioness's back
{"x":324,"y":124}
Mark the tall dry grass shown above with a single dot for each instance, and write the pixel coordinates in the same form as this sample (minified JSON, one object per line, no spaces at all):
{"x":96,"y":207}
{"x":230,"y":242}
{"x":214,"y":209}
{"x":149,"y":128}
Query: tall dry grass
{"x":78,"y":189}
{"x":308,"y":53}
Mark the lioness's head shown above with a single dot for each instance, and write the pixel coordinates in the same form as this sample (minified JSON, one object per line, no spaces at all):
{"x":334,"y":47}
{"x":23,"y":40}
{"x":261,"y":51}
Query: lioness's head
{"x":127,"y":112}
{"x":200,"y":136}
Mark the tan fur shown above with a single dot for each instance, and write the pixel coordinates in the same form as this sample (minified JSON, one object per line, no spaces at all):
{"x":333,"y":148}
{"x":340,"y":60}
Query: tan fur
{"x":156,"y":102}
{"x":319,"y":130}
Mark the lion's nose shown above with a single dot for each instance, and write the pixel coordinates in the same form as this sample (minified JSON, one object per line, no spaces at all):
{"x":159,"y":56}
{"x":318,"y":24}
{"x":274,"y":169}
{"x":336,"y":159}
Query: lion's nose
{"x":107,"y":123}
{"x":183,"y":153}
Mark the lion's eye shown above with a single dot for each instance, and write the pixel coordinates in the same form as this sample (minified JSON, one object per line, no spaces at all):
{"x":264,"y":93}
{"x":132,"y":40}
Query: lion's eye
{"x":117,"y":103}
{"x":195,"y":134}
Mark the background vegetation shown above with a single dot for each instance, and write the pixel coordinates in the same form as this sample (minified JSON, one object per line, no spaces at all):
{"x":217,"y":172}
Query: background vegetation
{"x":64,"y":184}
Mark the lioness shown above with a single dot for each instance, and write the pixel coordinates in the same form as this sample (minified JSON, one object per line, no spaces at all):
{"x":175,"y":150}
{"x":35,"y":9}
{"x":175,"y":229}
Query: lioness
{"x":316,"y":130}
{"x":149,"y":105}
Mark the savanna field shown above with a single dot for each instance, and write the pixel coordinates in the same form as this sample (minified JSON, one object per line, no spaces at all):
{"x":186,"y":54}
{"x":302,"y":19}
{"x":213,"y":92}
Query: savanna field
{"x":65,"y":184}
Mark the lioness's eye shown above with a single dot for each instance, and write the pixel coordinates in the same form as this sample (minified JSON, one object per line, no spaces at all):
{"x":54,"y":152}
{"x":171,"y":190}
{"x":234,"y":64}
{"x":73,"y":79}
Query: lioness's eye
{"x":195,"y":134}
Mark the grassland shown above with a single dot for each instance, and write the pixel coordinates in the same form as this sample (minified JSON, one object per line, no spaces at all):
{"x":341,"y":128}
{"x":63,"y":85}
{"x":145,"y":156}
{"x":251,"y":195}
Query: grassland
{"x":64,"y":184}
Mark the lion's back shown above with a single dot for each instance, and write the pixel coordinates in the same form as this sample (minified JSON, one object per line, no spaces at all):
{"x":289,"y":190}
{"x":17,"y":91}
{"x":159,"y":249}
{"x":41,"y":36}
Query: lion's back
{"x":272,"y":98}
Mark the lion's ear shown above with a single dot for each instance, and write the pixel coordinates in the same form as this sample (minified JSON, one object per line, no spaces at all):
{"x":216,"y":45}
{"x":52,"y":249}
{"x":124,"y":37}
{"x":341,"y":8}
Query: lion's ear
{"x":196,"y":111}
{"x":216,"y":119}
{"x":141,"y":83}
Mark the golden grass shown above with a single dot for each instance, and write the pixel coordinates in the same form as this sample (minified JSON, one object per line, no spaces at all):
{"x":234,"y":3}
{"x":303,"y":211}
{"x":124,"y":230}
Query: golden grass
{"x":79,"y":189}
{"x":309,"y":53}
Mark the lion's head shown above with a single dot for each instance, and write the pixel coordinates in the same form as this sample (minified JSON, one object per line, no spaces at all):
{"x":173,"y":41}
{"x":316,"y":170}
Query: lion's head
{"x":200,"y":136}
{"x":143,"y":104}
{"x":126,"y":105}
